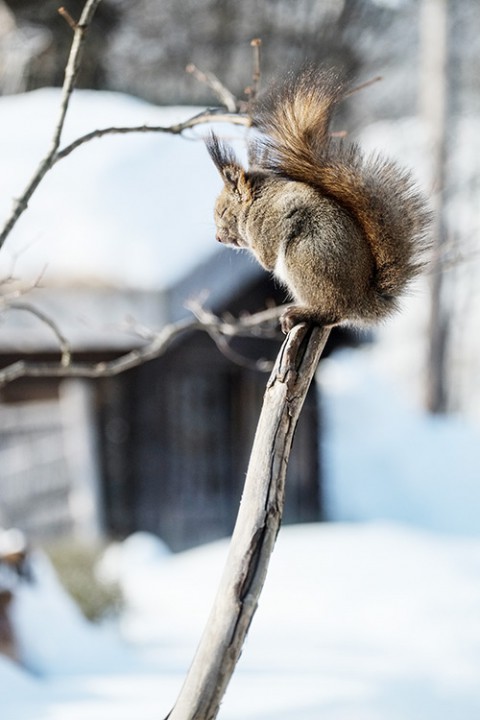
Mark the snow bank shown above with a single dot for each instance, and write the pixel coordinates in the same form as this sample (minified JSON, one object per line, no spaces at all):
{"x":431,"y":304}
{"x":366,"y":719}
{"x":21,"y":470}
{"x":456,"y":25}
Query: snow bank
{"x":53,"y":635}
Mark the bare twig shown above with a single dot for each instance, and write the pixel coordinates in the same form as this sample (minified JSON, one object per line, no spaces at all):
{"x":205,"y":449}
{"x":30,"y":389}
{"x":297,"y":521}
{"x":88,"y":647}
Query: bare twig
{"x":64,"y":345}
{"x":206,"y":116}
{"x":256,"y":529}
{"x":237,"y":358}
{"x":54,"y":154}
{"x":110,"y":368}
{"x":226,"y":97}
{"x":363,"y":86}
{"x":252,"y":90}
{"x":71,"y":71}
{"x":264,"y":323}
{"x":67,"y":17}
{"x":261,"y":324}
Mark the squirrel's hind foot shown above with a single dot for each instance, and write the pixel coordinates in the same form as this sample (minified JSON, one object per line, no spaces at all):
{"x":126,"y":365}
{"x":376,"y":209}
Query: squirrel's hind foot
{"x":296,"y":314}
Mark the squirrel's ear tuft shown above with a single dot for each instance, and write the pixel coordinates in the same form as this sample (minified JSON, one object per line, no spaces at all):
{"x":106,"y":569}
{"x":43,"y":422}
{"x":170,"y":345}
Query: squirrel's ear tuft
{"x":221,"y":153}
{"x":233,"y":174}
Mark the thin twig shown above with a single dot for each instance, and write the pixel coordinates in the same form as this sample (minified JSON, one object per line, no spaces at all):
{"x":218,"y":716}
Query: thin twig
{"x":71,"y":72}
{"x":362,"y":86}
{"x":206,"y":116}
{"x":226,"y":97}
{"x":53,"y":155}
{"x":101,"y":369}
{"x":65,"y":347}
{"x":222,"y":341}
{"x":237,"y":358}
{"x":252,"y":90}
{"x":155,"y":348}
{"x":262,"y":324}
{"x":67,"y":17}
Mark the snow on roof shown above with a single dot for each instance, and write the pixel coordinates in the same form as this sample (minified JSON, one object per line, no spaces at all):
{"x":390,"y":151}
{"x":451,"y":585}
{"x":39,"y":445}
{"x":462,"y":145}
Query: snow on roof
{"x":129,"y":210}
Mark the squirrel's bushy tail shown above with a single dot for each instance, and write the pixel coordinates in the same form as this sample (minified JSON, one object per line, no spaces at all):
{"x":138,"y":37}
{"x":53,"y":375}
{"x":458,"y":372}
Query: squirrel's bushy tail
{"x":294,"y":118}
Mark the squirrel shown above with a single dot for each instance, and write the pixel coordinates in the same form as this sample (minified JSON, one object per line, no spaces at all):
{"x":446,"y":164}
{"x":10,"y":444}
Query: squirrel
{"x":343,"y":232}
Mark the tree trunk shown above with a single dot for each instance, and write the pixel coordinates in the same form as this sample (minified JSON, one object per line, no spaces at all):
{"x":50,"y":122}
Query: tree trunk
{"x":437,"y":110}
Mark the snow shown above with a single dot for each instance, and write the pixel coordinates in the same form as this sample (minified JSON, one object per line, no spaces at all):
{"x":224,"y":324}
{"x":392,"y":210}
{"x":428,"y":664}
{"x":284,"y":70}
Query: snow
{"x":385,"y":458}
{"x":357,"y":621}
{"x":44,"y":652}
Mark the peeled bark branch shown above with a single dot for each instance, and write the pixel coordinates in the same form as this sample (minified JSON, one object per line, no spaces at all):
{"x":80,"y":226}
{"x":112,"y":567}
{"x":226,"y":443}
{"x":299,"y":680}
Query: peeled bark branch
{"x":256,"y":528}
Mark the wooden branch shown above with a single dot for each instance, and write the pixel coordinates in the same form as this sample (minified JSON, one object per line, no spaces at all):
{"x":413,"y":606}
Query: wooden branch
{"x":71,"y":72}
{"x":252,"y":90}
{"x":264,"y":323}
{"x":226,"y":97}
{"x":64,"y":345}
{"x":157,"y":347}
{"x":206,"y":116}
{"x":363,"y":86}
{"x":256,"y":529}
{"x":259,"y":324}
{"x":67,"y":17}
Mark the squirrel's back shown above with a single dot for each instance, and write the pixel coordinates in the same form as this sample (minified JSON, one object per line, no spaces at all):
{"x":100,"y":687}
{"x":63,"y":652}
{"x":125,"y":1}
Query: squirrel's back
{"x":294,"y":118}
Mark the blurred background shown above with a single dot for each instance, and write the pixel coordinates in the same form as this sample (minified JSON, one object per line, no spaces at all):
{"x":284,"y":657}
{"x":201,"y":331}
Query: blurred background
{"x":120,"y":235}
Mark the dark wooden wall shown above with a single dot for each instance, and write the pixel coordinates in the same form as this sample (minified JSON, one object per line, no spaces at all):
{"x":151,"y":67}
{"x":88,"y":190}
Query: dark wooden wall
{"x":177,"y":437}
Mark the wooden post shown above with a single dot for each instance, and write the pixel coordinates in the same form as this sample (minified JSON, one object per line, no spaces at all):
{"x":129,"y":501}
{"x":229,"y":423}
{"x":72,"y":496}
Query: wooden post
{"x":256,"y":529}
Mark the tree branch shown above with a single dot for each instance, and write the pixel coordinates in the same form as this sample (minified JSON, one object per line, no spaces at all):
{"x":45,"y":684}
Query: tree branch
{"x":252,"y":90}
{"x":65,"y":348}
{"x":226,"y":97}
{"x":206,"y":116}
{"x":257,"y":324}
{"x":263,"y":324}
{"x":256,"y":529}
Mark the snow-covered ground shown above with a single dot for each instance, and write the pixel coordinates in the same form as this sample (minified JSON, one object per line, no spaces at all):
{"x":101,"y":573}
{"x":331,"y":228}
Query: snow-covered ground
{"x":357,"y":622}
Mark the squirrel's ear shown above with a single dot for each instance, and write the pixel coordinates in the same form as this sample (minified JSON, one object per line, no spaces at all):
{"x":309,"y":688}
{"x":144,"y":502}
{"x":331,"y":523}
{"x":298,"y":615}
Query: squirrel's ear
{"x":234,"y":176}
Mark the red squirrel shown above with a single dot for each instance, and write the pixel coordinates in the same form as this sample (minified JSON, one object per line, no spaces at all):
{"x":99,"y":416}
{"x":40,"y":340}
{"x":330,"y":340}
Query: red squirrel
{"x":343,"y":232}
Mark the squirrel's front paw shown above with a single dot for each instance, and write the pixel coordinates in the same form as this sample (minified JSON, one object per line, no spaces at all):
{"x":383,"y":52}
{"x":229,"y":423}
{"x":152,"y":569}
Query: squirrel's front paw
{"x":293,"y":316}
{"x":296,"y":314}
